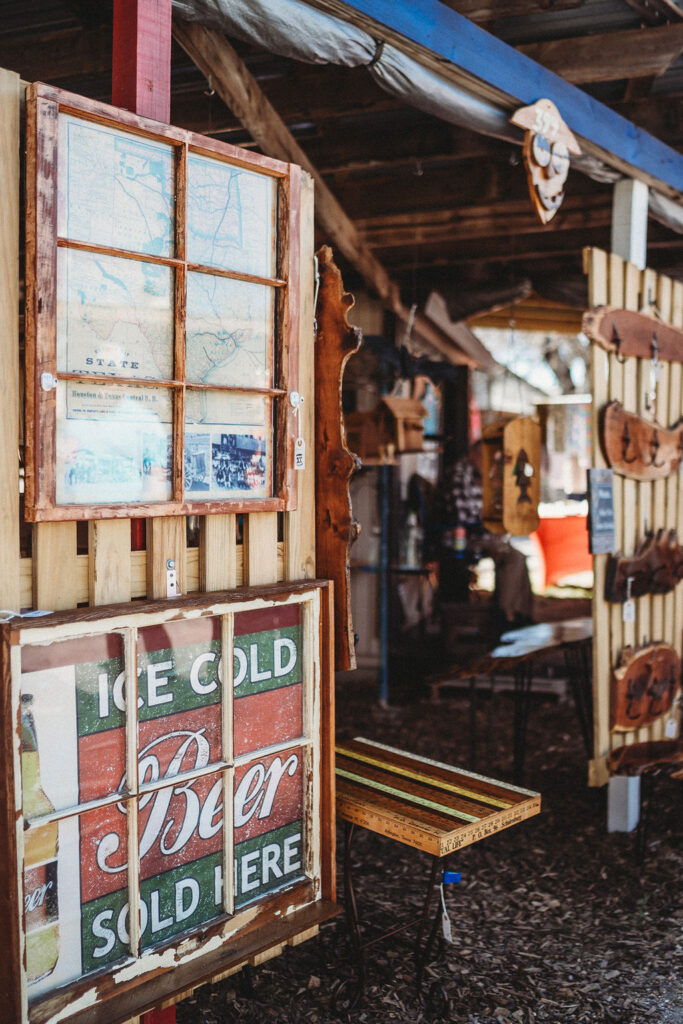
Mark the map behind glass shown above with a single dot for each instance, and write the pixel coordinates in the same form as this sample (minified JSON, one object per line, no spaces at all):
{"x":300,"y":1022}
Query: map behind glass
{"x":114,"y":189}
{"x":114,"y":316}
{"x":230,"y":217}
{"x":229,"y":332}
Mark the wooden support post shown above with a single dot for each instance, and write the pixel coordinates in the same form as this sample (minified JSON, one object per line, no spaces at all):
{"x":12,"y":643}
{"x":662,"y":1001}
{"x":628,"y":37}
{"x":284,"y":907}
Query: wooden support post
{"x":10,"y":99}
{"x":299,"y":526}
{"x":629,"y":221}
{"x":141,"y":81}
{"x":629,"y":241}
{"x":141,"y":67}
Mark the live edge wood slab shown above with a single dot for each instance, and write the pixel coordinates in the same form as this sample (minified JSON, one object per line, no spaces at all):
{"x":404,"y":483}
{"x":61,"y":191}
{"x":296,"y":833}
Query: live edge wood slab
{"x":422,"y":803}
{"x":632,"y":334}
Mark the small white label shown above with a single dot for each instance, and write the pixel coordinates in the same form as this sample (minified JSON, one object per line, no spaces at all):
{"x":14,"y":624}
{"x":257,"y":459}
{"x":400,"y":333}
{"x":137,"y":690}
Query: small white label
{"x":628,"y":611}
{"x":446,"y":928}
{"x":671,"y":729}
{"x":299,"y":453}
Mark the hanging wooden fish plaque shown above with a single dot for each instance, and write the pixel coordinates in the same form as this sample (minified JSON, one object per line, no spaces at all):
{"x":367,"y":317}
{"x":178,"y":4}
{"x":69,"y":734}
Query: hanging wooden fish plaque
{"x":655,"y":568}
{"x":547,"y":145}
{"x":637,"y":448}
{"x":644,"y":686}
{"x":633,"y":334}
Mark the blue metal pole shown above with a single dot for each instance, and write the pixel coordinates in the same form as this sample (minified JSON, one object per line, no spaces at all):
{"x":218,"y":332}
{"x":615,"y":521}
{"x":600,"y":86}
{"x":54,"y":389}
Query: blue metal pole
{"x":384,"y":488}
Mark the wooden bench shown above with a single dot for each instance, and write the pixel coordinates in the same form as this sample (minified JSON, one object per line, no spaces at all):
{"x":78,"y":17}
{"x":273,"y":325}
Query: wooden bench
{"x":516,"y":653}
{"x":423,"y":804}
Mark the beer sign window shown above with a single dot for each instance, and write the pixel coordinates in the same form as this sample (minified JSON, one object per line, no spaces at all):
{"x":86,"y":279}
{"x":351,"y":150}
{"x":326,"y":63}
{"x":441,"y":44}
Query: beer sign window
{"x":162,"y":285}
{"x":172,"y":778}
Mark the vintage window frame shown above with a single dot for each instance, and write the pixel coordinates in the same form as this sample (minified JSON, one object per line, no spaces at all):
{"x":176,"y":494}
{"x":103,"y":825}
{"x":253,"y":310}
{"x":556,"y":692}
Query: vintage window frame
{"x":222,"y":944}
{"x":44,"y":104}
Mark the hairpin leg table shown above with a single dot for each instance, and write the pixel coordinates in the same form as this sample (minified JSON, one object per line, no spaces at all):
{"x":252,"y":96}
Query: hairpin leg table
{"x":424,"y":804}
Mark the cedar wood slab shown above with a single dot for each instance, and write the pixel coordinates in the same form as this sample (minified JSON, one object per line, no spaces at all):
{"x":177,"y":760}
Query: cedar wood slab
{"x":425,"y":804}
{"x":631,"y":334}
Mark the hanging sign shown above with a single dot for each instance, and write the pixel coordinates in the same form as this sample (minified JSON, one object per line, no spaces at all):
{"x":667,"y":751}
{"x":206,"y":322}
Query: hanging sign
{"x":547,"y":145}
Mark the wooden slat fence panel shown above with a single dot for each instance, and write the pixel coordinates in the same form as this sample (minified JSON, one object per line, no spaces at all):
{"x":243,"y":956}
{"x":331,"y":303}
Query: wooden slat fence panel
{"x":638,"y":506}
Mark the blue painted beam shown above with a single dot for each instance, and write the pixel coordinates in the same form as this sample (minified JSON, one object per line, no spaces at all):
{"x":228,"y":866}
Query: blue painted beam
{"x":449,"y":36}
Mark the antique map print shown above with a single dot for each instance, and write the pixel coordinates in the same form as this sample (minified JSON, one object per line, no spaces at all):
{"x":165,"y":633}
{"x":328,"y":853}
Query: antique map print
{"x":114,"y":316}
{"x":115,"y":189}
{"x":230,"y":217}
{"x":229,"y":332}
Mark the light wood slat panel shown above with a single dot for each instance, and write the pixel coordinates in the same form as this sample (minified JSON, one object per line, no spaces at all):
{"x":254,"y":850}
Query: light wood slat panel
{"x":660,"y":510}
{"x":165,"y":539}
{"x":299,"y":526}
{"x":55,"y":582}
{"x":638,"y":506}
{"x":626,"y":632}
{"x":217,"y":553}
{"x":675,"y":509}
{"x":138,"y":574}
{"x":109,"y":569}
{"x":260,"y":548}
{"x":595,"y":265}
{"x":10,"y":102}
{"x":619,"y":372}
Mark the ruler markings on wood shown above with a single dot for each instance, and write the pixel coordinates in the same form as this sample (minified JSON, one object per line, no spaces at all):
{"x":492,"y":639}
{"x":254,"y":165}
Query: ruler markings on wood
{"x":420,"y":777}
{"x":401,"y":794}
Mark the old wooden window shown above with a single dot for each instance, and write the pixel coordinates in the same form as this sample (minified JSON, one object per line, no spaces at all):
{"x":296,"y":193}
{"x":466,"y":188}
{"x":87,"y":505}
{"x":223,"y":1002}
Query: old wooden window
{"x":172,"y":773}
{"x":162,"y":297}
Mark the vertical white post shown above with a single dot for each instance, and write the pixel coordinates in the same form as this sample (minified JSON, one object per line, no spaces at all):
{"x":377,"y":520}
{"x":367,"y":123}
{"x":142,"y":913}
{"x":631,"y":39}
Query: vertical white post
{"x":629,"y":240}
{"x":629,"y":221}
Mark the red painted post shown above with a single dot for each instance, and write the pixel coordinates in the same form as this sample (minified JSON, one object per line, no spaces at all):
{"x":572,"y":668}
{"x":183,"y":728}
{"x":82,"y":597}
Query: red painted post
{"x":141,"y":82}
{"x":141,"y":68}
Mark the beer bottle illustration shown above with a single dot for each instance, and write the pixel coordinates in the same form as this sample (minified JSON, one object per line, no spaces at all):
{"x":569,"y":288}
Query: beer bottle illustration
{"x":40,"y":858}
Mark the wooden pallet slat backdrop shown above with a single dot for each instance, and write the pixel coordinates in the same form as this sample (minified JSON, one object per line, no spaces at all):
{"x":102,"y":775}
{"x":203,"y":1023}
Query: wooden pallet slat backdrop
{"x":638,"y":507}
{"x":57,"y":576}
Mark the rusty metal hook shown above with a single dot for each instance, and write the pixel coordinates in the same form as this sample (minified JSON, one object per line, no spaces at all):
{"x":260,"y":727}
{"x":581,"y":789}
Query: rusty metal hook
{"x":625,"y":443}
{"x":617,"y":343}
{"x":655,"y":445}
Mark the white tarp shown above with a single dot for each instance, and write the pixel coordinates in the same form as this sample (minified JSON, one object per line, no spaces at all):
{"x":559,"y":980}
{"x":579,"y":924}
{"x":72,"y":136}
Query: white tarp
{"x":292,"y":29}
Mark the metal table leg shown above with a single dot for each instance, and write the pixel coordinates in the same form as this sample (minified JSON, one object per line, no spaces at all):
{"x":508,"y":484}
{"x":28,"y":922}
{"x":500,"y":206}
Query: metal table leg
{"x":522,"y":679}
{"x":424,"y":942}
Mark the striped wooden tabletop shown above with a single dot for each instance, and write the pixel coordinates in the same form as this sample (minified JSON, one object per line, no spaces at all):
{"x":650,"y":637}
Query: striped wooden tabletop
{"x":425,"y":804}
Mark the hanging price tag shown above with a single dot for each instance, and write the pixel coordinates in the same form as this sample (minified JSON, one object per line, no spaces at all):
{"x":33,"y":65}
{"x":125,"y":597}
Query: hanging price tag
{"x":445,"y":920}
{"x":671,"y":729}
{"x":296,"y":401}
{"x":628,"y":611}
{"x":299,"y":453}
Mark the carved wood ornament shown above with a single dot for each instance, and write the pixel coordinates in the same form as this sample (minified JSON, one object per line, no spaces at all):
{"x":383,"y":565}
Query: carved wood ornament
{"x":511,"y":477}
{"x":335,"y":527}
{"x":644,"y":686}
{"x":547,"y":145}
{"x":633,"y":334}
{"x":638,"y":448}
{"x":655,"y":568}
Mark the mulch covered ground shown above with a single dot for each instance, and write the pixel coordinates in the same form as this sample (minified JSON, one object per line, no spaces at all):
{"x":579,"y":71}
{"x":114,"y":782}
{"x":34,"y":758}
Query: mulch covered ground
{"x":553,"y":921}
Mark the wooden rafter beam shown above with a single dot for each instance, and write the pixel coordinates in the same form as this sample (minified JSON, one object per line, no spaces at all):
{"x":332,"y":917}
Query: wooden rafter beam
{"x":467,"y":223}
{"x":485,"y":11}
{"x":237,"y":87}
{"x":635,"y":53}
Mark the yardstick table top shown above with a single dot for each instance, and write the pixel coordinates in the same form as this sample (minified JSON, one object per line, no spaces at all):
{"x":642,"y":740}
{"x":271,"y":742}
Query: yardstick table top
{"x":423,"y":803}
